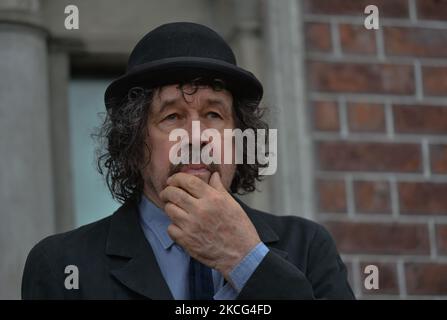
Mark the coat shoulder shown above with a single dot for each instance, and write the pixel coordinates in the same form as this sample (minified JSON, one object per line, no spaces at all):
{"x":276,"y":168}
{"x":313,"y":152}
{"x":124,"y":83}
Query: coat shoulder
{"x":44,"y":272}
{"x":80,"y":247}
{"x":304,"y":240}
{"x":286,"y":224}
{"x":77,"y":239}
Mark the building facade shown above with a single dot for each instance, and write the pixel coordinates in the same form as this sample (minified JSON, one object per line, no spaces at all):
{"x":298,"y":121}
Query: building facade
{"x":361,"y":117}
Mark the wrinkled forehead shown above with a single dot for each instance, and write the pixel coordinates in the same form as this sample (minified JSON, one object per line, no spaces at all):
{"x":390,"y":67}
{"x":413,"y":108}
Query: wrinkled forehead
{"x":188,"y":94}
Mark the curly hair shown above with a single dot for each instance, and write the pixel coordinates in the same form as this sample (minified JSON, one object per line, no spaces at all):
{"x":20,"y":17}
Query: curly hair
{"x":121,"y":140}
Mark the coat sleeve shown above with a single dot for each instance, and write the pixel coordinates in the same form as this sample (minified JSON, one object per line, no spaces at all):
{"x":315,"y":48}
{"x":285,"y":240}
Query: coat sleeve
{"x":277,"y":278}
{"x":38,"y":281}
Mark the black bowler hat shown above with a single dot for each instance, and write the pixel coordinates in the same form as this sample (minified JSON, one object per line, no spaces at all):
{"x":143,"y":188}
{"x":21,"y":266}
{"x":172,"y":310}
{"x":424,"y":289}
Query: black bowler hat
{"x":181,"y":51}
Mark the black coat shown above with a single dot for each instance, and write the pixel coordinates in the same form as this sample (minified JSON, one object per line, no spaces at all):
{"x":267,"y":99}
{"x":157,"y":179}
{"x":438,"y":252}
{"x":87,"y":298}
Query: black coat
{"x":115,"y":261}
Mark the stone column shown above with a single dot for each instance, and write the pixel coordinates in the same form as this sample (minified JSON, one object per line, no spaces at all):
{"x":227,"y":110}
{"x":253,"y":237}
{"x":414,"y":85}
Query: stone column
{"x":59,"y":78}
{"x":26,"y":187}
{"x":246,"y":39}
{"x":292,"y":186}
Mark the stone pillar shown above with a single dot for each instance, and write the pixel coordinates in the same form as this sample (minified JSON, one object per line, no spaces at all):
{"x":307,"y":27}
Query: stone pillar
{"x":292,"y":186}
{"x":59,"y":77}
{"x":26,"y":187}
{"x":246,"y":39}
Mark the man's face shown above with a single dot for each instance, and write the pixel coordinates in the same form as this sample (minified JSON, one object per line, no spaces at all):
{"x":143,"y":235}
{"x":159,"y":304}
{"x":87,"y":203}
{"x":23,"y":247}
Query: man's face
{"x":175,"y":108}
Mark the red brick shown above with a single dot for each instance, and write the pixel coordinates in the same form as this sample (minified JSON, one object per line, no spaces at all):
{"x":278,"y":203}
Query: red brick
{"x":372,"y":197}
{"x":435,"y":81}
{"x":441,"y":238}
{"x":361,"y":78}
{"x":380,"y":238}
{"x":438,"y":158}
{"x":426,"y":278}
{"x":364,"y":156}
{"x":332,"y":196}
{"x":420,"y":119}
{"x":388,"y":283}
{"x":326,"y":116}
{"x":366,"y":117}
{"x":432,"y":9}
{"x":318,"y":37}
{"x":387,"y":8}
{"x":357,"y":39}
{"x":420,"y":42}
{"x":423,"y":198}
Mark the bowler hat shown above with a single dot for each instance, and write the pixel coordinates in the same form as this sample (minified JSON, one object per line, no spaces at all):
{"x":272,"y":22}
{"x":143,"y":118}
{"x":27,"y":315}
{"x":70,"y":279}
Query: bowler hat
{"x":181,"y":51}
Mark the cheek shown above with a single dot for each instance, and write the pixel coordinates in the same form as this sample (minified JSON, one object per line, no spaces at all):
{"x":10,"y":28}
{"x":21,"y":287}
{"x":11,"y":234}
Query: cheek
{"x":226,"y":144}
{"x":160,"y":150}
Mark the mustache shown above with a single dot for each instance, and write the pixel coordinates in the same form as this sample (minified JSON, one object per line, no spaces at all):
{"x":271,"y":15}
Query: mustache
{"x":175,"y":168}
{"x":212,"y":167}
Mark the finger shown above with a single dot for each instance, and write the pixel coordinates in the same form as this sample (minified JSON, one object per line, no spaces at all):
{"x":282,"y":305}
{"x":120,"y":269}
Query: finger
{"x":178,"y":216}
{"x":179,"y":197}
{"x":175,"y":233}
{"x":216,"y":182}
{"x":190,"y":183}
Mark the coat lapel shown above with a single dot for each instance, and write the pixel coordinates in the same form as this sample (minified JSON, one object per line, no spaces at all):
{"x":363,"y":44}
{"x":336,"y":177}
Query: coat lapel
{"x":141,"y":272}
{"x":265,"y":232}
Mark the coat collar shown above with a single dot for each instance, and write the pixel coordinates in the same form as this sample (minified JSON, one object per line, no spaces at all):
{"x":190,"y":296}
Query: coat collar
{"x":126,"y":239}
{"x":141,"y":272}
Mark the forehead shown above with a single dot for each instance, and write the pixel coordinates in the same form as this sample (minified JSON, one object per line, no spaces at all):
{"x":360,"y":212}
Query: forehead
{"x":173,"y":95}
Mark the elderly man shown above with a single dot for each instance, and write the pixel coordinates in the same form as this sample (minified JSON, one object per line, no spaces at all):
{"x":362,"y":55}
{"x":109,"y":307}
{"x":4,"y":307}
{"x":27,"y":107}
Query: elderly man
{"x":181,"y":232}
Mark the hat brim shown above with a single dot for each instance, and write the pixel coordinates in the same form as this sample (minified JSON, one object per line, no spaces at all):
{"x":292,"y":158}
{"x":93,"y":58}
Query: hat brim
{"x":239,"y":82}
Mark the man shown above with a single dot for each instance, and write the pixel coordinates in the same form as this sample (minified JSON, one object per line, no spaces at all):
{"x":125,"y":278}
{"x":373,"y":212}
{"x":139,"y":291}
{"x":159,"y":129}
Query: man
{"x":181,"y":233}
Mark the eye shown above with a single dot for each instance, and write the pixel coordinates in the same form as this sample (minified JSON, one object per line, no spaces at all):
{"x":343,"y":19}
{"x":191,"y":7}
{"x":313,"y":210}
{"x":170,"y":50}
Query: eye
{"x":171,"y":117}
{"x":213,"y":115}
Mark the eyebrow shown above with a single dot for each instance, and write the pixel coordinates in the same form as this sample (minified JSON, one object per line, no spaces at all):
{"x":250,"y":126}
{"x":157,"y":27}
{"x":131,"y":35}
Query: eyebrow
{"x":167,"y":103}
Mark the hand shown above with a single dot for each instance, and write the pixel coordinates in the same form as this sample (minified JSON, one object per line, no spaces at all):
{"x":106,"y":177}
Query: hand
{"x":207,"y":222}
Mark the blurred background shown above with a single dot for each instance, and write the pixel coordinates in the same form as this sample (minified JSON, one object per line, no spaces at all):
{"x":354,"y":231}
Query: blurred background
{"x":361,"y":118}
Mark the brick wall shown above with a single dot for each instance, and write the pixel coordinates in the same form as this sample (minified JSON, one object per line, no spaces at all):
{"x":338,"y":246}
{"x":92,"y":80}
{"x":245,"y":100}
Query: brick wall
{"x":378,"y":106}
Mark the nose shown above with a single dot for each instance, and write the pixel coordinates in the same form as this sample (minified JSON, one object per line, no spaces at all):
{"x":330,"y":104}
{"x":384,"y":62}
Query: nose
{"x":195,"y":129}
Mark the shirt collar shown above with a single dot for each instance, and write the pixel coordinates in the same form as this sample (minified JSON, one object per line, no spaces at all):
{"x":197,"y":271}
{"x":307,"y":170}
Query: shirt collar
{"x":157,"y":220}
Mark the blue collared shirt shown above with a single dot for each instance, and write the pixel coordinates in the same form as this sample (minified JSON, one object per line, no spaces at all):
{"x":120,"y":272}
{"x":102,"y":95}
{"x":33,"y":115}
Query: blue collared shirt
{"x":174,"y":260}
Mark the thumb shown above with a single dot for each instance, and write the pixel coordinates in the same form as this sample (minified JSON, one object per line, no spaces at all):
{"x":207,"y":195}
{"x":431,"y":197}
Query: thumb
{"x":216,"y":183}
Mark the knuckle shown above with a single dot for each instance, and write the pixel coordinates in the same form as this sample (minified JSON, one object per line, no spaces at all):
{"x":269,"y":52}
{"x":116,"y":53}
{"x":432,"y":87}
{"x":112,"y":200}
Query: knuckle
{"x":194,"y":228}
{"x":165,"y":193}
{"x":215,"y":199}
{"x":169,"y":208}
{"x":182,"y":196}
{"x":171,"y":230}
{"x":192,"y":182}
